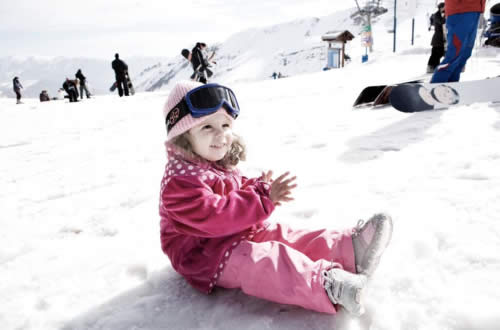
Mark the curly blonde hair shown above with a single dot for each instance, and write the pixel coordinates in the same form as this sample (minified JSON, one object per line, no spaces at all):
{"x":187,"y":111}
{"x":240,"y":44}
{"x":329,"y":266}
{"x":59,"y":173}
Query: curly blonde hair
{"x":235,"y":154}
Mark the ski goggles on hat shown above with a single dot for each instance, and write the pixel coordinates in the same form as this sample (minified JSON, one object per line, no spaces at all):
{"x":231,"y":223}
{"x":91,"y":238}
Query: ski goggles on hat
{"x":203,"y":101}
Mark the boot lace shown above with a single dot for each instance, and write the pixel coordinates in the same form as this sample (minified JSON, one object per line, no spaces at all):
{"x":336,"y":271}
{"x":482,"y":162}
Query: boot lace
{"x":334,"y":288}
{"x":357,"y":230}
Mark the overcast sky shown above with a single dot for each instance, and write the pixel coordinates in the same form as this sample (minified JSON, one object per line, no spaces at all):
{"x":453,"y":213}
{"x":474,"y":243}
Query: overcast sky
{"x":99,"y":28}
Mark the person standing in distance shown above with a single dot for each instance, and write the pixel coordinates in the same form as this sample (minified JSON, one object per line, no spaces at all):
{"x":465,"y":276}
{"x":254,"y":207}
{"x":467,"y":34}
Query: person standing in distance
{"x":199,"y":62}
{"x":17,"y":89}
{"x":438,"y":39}
{"x":461,"y":22}
{"x":121,"y":71}
{"x":83,"y":84}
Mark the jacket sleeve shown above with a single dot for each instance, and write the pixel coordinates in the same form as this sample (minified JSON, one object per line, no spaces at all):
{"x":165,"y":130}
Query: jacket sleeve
{"x":197,"y":210}
{"x":439,"y":19}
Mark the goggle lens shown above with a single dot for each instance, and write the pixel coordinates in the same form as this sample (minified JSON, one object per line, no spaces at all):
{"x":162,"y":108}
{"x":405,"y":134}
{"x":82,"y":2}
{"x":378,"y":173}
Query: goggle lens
{"x":203,"y":101}
{"x":206,"y":99}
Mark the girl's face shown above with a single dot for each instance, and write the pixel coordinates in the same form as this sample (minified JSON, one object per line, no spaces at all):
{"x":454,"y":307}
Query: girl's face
{"x":212,"y":138}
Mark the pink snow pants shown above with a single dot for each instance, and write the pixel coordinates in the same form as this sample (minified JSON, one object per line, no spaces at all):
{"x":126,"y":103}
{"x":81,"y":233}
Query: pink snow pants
{"x":285,"y":265}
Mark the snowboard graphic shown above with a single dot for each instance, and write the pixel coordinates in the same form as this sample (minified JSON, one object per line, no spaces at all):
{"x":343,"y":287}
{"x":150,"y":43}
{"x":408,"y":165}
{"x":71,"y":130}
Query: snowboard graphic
{"x":427,"y":96}
{"x":130,"y":85}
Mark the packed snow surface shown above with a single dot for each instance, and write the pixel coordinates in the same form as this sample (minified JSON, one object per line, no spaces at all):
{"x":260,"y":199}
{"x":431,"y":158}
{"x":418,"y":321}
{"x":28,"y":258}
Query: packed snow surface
{"x":80,"y":248}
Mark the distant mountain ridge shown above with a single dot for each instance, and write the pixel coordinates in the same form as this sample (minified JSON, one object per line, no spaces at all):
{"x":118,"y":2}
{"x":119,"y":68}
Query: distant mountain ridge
{"x":290,"y":48}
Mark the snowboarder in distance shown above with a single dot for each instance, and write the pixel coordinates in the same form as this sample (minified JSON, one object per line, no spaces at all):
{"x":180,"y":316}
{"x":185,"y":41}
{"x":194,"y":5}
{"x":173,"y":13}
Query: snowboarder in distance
{"x":200,"y":63}
{"x":121,"y":72}
{"x":462,"y":18}
{"x":214,"y":223}
{"x":70,"y":87}
{"x":438,"y":39}
{"x":17,"y":89}
{"x":83,"y":84}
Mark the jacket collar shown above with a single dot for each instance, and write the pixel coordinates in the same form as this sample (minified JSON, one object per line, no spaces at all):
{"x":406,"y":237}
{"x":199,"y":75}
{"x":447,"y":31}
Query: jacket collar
{"x":176,"y":153}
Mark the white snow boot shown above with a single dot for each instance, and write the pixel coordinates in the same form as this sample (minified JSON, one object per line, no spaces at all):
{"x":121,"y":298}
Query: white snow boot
{"x":345,"y":289}
{"x":369,"y":241}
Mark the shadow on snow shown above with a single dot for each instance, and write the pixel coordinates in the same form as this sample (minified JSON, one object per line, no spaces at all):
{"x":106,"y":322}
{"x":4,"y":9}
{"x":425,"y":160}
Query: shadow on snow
{"x":392,"y":138}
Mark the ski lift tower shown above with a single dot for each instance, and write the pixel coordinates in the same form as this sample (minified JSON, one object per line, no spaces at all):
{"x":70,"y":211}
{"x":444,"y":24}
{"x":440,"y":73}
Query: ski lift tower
{"x":336,"y":47}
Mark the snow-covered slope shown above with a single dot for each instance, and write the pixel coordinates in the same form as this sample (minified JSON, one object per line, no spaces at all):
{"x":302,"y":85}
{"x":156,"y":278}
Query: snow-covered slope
{"x":79,"y":245}
{"x":79,"y":238}
{"x":294,"y":47}
{"x":290,"y":48}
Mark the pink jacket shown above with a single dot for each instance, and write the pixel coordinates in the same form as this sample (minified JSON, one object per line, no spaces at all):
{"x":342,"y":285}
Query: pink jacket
{"x":205,"y":212}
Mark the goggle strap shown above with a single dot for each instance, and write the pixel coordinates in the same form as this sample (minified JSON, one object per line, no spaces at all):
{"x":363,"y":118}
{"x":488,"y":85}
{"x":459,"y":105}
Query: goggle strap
{"x":176,"y":114}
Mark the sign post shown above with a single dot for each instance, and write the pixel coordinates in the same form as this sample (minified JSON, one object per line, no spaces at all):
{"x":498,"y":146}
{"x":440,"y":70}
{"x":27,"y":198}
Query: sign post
{"x":366,"y":41}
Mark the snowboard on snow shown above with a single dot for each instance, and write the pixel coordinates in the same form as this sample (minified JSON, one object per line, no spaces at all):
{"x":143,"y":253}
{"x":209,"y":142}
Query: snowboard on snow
{"x":379,"y":94}
{"x":131,"y":88}
{"x":439,"y":96}
{"x":368,"y":95}
{"x":186,"y":54}
{"x":129,"y":84}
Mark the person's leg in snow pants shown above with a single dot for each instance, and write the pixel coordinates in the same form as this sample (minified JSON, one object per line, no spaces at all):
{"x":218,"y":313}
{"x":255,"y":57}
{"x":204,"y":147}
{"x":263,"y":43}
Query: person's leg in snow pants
{"x":285,"y":266}
{"x":436,"y":54}
{"x":122,"y":84}
{"x":83,"y":87}
{"x":18,"y":95}
{"x":462,"y":30}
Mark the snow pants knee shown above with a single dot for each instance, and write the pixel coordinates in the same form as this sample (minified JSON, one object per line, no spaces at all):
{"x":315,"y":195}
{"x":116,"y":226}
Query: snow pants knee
{"x":83,"y":87}
{"x":285,"y":265}
{"x":462,"y":30}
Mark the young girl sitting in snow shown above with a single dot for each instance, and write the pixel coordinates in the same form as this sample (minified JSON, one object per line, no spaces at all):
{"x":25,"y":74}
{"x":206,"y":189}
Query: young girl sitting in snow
{"x":213,"y":225}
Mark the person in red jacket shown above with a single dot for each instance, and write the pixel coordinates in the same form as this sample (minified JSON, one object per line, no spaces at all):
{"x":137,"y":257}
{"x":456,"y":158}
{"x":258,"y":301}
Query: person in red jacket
{"x":461,"y":22}
{"x":213,"y":219}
